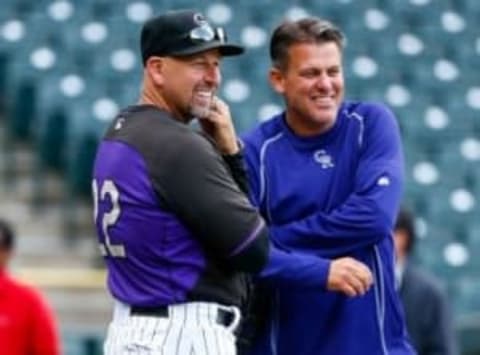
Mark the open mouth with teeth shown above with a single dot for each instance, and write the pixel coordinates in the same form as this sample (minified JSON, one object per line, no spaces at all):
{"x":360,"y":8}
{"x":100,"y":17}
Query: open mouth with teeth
{"x":323,"y":101}
{"x":201,"y":101}
{"x":202,"y":98}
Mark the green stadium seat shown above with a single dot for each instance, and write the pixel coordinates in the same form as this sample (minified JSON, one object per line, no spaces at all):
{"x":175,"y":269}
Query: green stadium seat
{"x":88,"y":116}
{"x":82,"y":343}
{"x":467,"y":298}
{"x":52,"y":143}
{"x":22,"y":111}
{"x":31,"y":65}
{"x":80,"y":164}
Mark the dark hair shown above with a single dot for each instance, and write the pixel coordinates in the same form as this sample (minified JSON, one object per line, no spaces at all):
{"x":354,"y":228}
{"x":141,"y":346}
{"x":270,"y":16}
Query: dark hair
{"x":7,"y":241}
{"x":307,"y":30}
{"x":406,"y":222}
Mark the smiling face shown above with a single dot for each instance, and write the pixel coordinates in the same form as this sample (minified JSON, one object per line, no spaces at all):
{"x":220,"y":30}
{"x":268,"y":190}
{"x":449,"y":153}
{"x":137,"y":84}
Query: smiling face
{"x":185,"y":86}
{"x":312,"y":85}
{"x":192,"y":82}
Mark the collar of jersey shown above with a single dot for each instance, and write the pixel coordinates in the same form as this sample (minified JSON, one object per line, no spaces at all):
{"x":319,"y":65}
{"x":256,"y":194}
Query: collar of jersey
{"x":316,"y":141}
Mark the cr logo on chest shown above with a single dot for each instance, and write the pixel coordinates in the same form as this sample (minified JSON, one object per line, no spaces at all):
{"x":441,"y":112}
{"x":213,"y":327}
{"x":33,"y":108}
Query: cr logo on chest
{"x":323,"y":158}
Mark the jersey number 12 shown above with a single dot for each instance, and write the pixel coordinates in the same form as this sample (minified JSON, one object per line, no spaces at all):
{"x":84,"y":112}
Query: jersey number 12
{"x":108,"y":219}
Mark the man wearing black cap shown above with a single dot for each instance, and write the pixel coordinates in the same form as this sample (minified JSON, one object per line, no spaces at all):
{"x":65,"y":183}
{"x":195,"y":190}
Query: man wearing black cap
{"x":27,"y":325}
{"x":174,"y":224}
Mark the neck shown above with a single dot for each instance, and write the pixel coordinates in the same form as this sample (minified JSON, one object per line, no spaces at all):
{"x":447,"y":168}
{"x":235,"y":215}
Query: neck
{"x":401,"y":258}
{"x":305,"y":128}
{"x":152,"y":96}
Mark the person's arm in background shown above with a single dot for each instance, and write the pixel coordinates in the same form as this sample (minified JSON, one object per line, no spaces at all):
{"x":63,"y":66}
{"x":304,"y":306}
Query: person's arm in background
{"x":368,"y":214}
{"x":44,"y":334}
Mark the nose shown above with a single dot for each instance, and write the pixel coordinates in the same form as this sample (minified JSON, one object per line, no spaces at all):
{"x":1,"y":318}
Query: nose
{"x":213,"y":76}
{"x":324,"y":82}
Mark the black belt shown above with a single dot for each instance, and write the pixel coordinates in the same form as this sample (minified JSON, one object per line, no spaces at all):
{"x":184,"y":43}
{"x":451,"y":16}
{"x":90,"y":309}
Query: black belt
{"x":224,"y":317}
{"x":160,"y":311}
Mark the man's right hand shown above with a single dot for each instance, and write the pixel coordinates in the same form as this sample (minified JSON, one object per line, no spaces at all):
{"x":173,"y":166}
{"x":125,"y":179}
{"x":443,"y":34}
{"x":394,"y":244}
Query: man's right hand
{"x":349,"y":276}
{"x":219,"y":126}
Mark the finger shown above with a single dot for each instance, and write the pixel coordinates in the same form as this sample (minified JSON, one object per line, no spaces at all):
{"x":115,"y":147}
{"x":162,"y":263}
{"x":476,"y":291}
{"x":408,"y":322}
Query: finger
{"x":366,"y":284}
{"x":214,"y":116}
{"x":213,"y":103}
{"x":367,"y":280}
{"x":366,"y":275}
{"x":365,"y":270}
{"x":356,"y":284}
{"x":220,"y":105}
{"x":219,"y":102}
{"x":348,"y":290}
{"x":220,"y":118}
{"x":363,"y":273}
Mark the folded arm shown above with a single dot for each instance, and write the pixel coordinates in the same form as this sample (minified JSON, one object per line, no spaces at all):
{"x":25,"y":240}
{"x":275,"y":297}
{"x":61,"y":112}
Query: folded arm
{"x":368,"y":214}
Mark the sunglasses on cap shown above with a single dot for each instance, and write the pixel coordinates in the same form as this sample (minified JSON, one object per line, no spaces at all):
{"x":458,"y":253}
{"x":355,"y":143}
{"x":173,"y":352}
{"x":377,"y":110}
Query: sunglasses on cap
{"x":206,"y":33}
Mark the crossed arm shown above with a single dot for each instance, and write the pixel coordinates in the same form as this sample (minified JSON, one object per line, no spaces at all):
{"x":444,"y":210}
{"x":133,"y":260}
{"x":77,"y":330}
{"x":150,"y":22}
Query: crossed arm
{"x":366,"y":216}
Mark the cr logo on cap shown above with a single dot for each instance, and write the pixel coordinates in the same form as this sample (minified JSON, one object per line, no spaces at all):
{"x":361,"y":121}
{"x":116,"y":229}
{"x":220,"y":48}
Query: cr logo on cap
{"x":199,"y":19}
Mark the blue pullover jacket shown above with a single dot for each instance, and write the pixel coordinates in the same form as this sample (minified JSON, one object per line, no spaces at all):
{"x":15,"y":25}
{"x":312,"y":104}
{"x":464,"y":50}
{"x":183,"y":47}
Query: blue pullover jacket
{"x":336,"y":194}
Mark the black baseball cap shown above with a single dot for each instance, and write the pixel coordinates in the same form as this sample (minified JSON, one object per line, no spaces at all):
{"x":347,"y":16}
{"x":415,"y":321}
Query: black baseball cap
{"x":182,"y":33}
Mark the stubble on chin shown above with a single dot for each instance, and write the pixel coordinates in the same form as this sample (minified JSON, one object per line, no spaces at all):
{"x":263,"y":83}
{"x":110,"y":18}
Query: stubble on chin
{"x":201,"y":111}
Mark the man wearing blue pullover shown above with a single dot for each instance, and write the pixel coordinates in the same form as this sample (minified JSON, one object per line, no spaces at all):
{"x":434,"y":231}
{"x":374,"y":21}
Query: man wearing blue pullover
{"x":327,"y":175}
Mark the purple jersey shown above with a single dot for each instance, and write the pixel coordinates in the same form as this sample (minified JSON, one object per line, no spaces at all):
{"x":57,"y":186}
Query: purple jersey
{"x":158,"y":186}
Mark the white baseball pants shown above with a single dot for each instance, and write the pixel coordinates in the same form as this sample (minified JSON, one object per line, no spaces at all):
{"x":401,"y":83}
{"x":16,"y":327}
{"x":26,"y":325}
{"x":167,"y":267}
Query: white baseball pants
{"x":189,"y":329}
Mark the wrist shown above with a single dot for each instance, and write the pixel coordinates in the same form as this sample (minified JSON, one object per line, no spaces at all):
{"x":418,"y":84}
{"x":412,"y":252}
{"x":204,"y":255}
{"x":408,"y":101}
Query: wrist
{"x":230,"y":148}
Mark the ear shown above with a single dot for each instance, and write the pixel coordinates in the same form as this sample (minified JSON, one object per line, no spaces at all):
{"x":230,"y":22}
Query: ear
{"x":155,"y":67}
{"x":277,"y":80}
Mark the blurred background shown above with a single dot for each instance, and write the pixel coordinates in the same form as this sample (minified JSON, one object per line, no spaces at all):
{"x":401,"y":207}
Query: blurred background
{"x":67,"y":66}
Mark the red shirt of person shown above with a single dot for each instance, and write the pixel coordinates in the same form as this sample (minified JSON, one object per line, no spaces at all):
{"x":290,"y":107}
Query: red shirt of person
{"x":27,"y":325}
